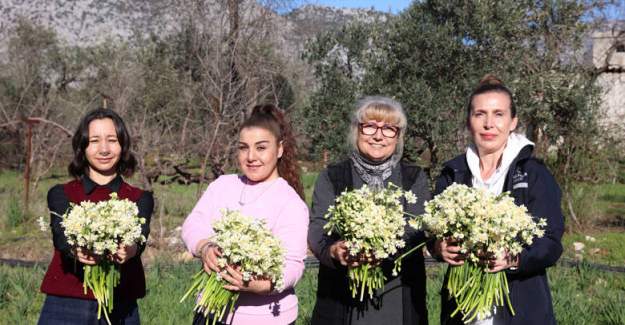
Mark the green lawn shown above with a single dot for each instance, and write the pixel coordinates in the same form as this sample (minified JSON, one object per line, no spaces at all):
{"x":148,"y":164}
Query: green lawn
{"x":597,"y":205}
{"x":611,"y":203}
{"x":605,"y":247}
{"x":173,"y":202}
{"x":580,"y":295}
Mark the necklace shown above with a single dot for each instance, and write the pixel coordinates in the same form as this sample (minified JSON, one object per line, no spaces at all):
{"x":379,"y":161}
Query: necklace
{"x":242,"y":196}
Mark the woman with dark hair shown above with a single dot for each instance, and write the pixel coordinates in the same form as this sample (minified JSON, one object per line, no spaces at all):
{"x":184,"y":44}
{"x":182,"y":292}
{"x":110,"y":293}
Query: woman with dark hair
{"x":497,"y":161}
{"x":376,"y":136}
{"x":269,"y":189}
{"x":101,"y":146}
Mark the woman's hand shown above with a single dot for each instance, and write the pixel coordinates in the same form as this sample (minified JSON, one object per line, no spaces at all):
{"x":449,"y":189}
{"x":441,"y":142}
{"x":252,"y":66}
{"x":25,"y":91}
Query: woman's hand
{"x":339,"y":252}
{"x":209,"y":252}
{"x":236,"y":283}
{"x":449,"y":250}
{"x":86,"y":256}
{"x":506,"y":261}
{"x":124,"y":253}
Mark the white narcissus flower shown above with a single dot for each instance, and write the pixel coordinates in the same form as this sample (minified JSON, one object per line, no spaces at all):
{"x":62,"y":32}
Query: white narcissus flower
{"x":410,"y":197}
{"x":101,"y":227}
{"x":372,"y":224}
{"x":43,"y":225}
{"x":249,"y":244}
{"x":481,"y":221}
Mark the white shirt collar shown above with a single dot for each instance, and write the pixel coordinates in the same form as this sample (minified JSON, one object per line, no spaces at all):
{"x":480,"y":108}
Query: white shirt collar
{"x":494,"y":184}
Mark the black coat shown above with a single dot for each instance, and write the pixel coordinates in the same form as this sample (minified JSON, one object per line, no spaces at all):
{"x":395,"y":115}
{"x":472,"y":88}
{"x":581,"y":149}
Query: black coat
{"x":404,"y":300}
{"x":531,"y":184}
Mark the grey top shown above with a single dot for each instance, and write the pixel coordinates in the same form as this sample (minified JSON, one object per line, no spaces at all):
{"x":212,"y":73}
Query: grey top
{"x":390,"y":311}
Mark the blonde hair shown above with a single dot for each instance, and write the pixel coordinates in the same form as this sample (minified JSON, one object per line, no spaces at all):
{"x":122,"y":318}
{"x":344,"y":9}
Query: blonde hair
{"x":383,"y":109}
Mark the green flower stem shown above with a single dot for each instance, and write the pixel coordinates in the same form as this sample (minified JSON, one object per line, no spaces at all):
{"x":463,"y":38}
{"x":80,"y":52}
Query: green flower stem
{"x":397,"y":266}
{"x":214,"y":299}
{"x":507,"y":291}
{"x":365,"y":278}
{"x":477,"y":291}
{"x":102,"y":279}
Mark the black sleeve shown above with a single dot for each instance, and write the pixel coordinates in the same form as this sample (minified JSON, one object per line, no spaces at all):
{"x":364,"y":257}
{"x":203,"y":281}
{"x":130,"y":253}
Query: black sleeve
{"x":420,"y":188}
{"x":442,"y":182}
{"x":146,"y":206}
{"x":318,"y":240}
{"x":544,"y":202}
{"x":58,"y":204}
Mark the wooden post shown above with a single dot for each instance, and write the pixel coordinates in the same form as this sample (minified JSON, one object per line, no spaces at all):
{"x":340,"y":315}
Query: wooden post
{"x":30,"y":122}
{"x":29,"y":142}
{"x":325,"y":157}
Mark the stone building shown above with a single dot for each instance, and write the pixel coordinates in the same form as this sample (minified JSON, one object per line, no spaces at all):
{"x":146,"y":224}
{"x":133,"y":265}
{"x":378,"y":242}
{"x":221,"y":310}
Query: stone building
{"x":608,"y":57}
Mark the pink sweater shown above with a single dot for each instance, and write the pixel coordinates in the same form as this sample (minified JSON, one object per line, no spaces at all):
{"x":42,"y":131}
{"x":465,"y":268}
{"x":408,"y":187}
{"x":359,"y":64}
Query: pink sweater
{"x":285,"y":214}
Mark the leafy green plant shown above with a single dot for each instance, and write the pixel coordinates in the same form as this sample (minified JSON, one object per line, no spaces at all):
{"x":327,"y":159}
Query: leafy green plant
{"x":613,"y":313}
{"x":14,"y":213}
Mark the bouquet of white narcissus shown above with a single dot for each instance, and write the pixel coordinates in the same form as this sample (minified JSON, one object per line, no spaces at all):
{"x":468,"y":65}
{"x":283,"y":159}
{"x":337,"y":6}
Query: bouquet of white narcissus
{"x":372,"y":224}
{"x":484,"y":225}
{"x":249,"y":245}
{"x":101,"y":228}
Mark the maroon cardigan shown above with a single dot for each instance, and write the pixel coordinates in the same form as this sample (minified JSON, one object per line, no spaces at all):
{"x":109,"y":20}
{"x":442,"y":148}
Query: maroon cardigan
{"x":65,"y":274}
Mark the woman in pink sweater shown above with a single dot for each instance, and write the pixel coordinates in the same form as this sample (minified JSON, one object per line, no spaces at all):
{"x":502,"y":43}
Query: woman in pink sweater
{"x":269,"y":189}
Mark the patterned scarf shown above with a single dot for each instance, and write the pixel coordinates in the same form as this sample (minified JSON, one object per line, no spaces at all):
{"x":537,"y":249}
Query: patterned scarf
{"x":373,"y":173}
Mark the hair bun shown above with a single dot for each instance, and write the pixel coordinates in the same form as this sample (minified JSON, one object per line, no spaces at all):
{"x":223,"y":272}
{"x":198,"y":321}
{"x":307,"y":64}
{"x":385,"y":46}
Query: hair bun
{"x":490,"y":80}
{"x":262,"y":109}
{"x":268,"y":109}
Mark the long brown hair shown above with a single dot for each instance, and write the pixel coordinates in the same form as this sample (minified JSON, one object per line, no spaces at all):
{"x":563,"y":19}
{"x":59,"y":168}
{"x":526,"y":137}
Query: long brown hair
{"x":272,"y":119}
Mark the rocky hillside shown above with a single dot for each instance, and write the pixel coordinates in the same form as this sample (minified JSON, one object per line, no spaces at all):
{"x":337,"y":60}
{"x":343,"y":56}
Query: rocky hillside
{"x":310,"y":20}
{"x":86,"y":22}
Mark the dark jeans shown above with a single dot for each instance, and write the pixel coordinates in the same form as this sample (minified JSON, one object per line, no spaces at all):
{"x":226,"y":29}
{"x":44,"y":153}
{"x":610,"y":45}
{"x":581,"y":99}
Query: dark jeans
{"x":199,"y":319}
{"x":65,"y":310}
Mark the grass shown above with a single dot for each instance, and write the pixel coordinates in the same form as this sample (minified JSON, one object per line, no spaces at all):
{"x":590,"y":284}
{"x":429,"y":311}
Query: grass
{"x":20,"y":300}
{"x":19,"y":231}
{"x":308,"y":181}
{"x":604,"y":202}
{"x":584,"y":296}
{"x":173,"y":201}
{"x":169,"y":285}
{"x":580,"y":295}
{"x":612,"y":203}
{"x":20,"y":237}
{"x":605,"y":247}
{"x":173,"y":204}
{"x":15,"y":214}
{"x":13,"y":217}
{"x":599,"y":205}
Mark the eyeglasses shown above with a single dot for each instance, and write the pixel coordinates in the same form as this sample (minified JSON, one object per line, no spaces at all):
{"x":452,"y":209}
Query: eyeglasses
{"x":371,"y":129}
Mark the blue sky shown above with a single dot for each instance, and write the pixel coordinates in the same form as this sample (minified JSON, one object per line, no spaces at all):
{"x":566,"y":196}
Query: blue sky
{"x":382,"y":5}
{"x":616,"y":11}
